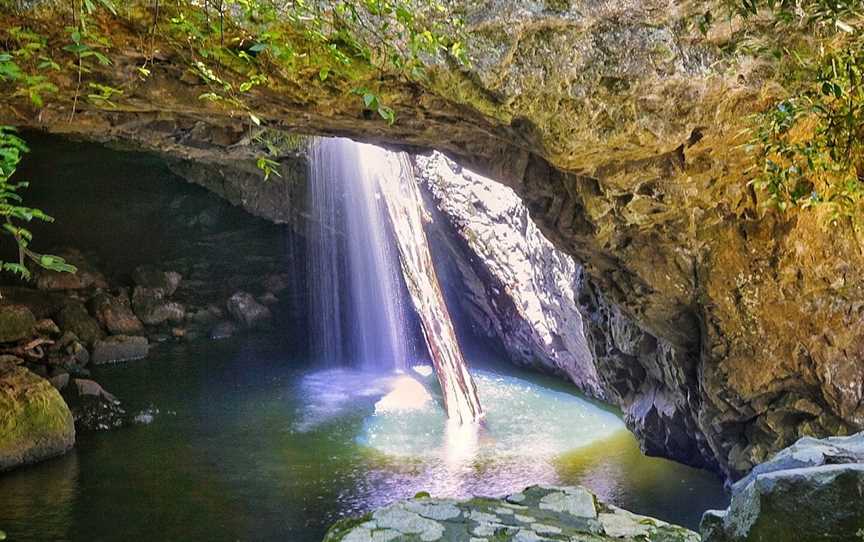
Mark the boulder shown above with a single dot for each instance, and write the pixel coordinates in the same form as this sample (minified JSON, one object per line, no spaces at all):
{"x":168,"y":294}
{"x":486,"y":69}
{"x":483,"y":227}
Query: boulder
{"x":268,"y":299}
{"x":119,"y":348}
{"x":16,"y":323}
{"x":538,"y":513}
{"x":813,"y":491}
{"x":35,"y":422}
{"x":153,"y":309}
{"x":48,"y":327}
{"x":149,"y":276}
{"x":246,"y":310}
{"x":115,"y":314}
{"x":86,"y":276}
{"x":75,"y":318}
{"x":94,"y":408}
{"x":277,"y":282}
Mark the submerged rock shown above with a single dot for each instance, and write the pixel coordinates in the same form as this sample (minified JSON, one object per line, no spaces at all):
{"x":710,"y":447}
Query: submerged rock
{"x":35,"y":422}
{"x":539,"y":513}
{"x":94,"y":408}
{"x":813,"y":491}
{"x":244,"y":308}
{"x":119,"y":348}
{"x":16,"y":323}
{"x":223,"y":330}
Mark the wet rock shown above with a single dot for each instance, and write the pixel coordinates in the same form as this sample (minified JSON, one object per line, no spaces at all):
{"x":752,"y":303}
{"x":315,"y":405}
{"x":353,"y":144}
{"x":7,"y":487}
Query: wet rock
{"x":75,"y":318}
{"x":246,"y":310}
{"x":94,"y":408}
{"x":16,"y":323}
{"x":153,"y":309}
{"x":60,"y":380}
{"x":87,"y":276}
{"x":813,"y":490}
{"x":46,"y":326}
{"x":70,"y":345}
{"x":277,"y":282}
{"x":119,"y":348}
{"x":151,"y":277}
{"x":268,"y":299}
{"x":115,"y":314}
{"x":223,"y":330}
{"x":538,"y":513}
{"x":35,"y":422}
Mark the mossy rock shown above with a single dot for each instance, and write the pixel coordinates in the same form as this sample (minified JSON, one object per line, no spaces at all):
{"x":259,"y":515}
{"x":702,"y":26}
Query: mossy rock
{"x":16,"y":323}
{"x":35,"y":422}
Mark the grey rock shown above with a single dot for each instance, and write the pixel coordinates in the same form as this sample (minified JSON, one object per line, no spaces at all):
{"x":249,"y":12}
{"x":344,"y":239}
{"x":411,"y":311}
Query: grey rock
{"x":223,"y":330}
{"x":94,"y":408}
{"x":149,"y":276}
{"x":245,"y":309}
{"x":119,"y":348}
{"x":153,"y":309}
{"x":813,"y":491}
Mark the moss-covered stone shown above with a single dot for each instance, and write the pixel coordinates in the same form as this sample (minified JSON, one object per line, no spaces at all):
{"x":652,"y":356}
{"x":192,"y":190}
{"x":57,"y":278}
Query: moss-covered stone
{"x":35,"y":422}
{"x":16,"y":323}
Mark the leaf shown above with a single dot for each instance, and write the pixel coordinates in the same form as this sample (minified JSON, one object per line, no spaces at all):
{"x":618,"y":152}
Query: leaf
{"x":254,"y":119}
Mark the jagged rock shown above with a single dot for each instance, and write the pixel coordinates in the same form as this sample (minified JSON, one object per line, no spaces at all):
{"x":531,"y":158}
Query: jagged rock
{"x":35,"y":422}
{"x":538,"y":513}
{"x":94,"y":408}
{"x":70,"y":345}
{"x":60,"y":381}
{"x":268,"y":299}
{"x":813,"y":491}
{"x":149,"y":276}
{"x":115,"y":314}
{"x":119,"y":348}
{"x":277,"y":282}
{"x":86,"y":276}
{"x":75,"y":318}
{"x":16,"y":323}
{"x":246,"y":310}
{"x":223,"y":330}
{"x":153,"y":309}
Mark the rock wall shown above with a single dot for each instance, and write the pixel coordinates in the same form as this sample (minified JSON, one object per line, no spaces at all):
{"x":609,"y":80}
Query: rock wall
{"x":517,"y":287}
{"x":619,"y":124}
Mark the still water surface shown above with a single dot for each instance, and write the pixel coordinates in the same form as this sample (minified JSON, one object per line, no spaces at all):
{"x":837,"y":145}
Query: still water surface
{"x":249,"y":444}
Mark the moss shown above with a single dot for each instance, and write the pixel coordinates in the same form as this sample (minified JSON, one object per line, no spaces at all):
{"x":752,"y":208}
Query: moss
{"x":16,"y":323}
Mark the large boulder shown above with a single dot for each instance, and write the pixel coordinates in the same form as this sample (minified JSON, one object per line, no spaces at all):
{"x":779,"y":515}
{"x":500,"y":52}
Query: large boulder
{"x":86,"y":276}
{"x":536,"y":514}
{"x":16,"y":323}
{"x":119,"y":348}
{"x":115,"y":313}
{"x":244,"y":308}
{"x":813,"y":491}
{"x":152,"y":307}
{"x":75,"y":318}
{"x":35,"y":422}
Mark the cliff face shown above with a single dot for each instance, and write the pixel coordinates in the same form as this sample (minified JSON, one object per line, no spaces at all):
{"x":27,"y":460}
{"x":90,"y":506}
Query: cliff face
{"x":619,"y":125}
{"x":547,"y":313}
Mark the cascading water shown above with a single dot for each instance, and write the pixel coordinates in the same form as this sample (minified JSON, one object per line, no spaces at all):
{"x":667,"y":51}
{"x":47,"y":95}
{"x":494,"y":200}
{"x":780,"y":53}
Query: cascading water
{"x":355,"y":188}
{"x":357,"y":313}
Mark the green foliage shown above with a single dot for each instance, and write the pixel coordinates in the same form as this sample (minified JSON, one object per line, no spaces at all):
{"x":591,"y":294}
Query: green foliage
{"x":808,"y":145}
{"x":13,"y":212}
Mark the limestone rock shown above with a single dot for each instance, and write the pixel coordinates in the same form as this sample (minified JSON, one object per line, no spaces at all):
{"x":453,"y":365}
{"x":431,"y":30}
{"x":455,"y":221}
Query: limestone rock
{"x":246,"y":310}
{"x":16,"y":323}
{"x":119,"y":348}
{"x":813,"y":490}
{"x":538,"y":513}
{"x":153,"y":309}
{"x":115,"y":314}
{"x":35,"y":422}
{"x":75,"y":318}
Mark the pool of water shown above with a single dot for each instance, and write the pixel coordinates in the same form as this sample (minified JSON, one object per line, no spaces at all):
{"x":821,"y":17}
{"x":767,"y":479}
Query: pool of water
{"x":250,"y":444}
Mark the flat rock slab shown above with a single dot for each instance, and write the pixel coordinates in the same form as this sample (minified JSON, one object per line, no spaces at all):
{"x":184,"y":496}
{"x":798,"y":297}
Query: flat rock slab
{"x":537,"y":514}
{"x":119,"y":348}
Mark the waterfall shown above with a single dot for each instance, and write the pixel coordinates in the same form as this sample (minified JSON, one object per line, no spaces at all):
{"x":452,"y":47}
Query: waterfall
{"x":359,"y":195}
{"x":356,"y":307}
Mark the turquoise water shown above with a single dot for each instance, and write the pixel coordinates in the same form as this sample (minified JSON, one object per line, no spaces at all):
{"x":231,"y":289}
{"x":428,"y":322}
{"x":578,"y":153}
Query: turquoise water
{"x":250,"y":444}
